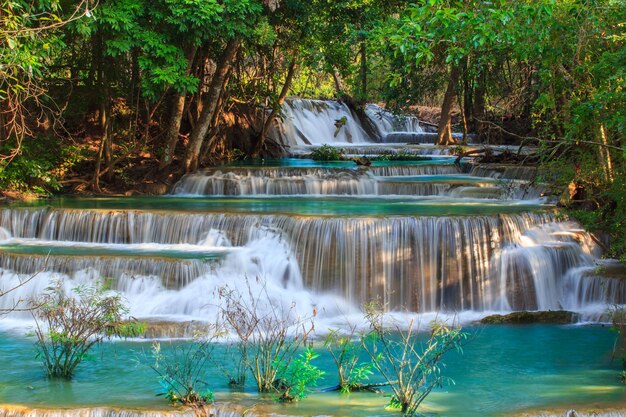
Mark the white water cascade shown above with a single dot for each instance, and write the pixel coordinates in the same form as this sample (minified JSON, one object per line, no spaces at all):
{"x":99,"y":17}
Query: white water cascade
{"x":424,"y":264}
{"x":317,"y":122}
{"x":424,"y":236}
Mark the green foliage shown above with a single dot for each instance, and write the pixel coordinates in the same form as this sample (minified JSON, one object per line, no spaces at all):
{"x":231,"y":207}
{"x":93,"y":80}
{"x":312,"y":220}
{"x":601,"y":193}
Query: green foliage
{"x":327,"y":153}
{"x":409,"y":365}
{"x":346,"y":352}
{"x":402,"y":155}
{"x":180,"y":371}
{"x":297,"y":377}
{"x":69,"y":325}
{"x":39,"y":166}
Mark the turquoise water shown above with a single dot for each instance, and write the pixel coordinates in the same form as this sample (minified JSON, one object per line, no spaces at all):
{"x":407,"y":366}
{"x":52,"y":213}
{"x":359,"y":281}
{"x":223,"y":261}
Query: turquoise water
{"x":310,"y":163}
{"x":446,"y":179}
{"x":55,"y":248}
{"x":308,"y":206}
{"x":502,"y":369}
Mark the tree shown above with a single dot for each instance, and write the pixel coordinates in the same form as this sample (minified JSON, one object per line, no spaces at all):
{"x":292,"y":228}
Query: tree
{"x":29,"y":37}
{"x":448,"y":35}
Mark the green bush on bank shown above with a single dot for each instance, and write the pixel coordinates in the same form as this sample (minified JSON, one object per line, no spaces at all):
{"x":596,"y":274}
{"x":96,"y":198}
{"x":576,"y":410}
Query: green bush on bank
{"x":39,"y":166}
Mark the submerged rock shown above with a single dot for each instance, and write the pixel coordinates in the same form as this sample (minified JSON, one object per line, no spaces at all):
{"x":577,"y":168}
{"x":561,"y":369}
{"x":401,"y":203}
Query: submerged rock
{"x":529,"y":317}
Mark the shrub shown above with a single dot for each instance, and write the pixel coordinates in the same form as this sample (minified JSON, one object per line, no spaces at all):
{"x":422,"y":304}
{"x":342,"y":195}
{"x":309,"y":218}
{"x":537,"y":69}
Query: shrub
{"x":346,"y":352}
{"x":298,"y":377}
{"x":68,"y":326}
{"x":180,"y":370}
{"x":39,"y":166}
{"x":412,"y":369}
{"x":269,"y":335}
{"x":327,"y":153}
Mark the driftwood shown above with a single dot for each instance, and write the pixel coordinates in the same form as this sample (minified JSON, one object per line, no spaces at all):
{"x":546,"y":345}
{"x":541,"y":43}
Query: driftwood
{"x":505,"y":157}
{"x":457,"y":161}
{"x":375,"y":388}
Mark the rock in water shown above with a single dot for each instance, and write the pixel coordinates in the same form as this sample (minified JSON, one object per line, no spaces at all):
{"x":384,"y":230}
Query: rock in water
{"x":529,"y":317}
{"x":363,"y":161}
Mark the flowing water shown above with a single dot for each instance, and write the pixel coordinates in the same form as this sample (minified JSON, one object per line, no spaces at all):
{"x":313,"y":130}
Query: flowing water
{"x":429,"y":238}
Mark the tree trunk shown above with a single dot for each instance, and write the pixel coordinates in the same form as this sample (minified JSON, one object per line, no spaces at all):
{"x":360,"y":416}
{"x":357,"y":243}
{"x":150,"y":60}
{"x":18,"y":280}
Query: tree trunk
{"x":444,"y":132}
{"x":177,"y":109}
{"x":363,"y":73}
{"x":276,"y":110}
{"x":104,"y":150}
{"x":210,"y":105}
{"x":338,"y":82}
{"x":478,"y":108}
{"x":604,"y":156}
{"x":213,"y":130}
{"x":104,"y":139}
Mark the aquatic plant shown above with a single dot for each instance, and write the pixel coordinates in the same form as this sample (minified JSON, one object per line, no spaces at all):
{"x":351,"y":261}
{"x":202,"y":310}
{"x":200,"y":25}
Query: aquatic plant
{"x":327,"y":153}
{"x":346,"y":353}
{"x":69,"y":325}
{"x":270,"y":335}
{"x":411,"y":368}
{"x":296,"y":379}
{"x":181,"y":368}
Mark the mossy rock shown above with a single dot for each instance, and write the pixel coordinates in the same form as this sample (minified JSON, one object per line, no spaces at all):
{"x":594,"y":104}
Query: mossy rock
{"x":529,"y":317}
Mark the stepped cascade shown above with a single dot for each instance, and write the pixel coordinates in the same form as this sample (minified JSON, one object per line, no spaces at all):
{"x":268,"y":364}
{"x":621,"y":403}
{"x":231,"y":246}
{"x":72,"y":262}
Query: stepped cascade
{"x":429,"y":237}
{"x":425,"y":235}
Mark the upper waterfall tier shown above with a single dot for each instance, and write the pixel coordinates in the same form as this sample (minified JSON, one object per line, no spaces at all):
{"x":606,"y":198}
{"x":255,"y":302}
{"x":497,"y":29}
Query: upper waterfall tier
{"x":310,"y":122}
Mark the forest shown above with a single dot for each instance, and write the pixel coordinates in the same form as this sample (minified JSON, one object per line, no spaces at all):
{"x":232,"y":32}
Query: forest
{"x":115,"y":95}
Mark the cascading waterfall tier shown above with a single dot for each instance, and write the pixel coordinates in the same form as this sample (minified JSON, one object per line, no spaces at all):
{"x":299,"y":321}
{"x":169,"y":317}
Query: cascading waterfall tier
{"x":424,"y":264}
{"x":418,"y":180}
{"x":317,"y":122}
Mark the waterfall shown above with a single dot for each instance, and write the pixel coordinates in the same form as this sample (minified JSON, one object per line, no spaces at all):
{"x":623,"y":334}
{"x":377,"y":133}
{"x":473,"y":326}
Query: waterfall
{"x":512,"y":172}
{"x":420,"y":180}
{"x":317,"y":122}
{"x":424,"y":264}
{"x":386,"y":122}
{"x":308,"y":122}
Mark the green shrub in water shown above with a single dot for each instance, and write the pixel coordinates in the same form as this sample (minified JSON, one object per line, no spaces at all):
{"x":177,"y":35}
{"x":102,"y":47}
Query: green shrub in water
{"x":180,"y":371}
{"x":411,"y":368}
{"x":298,"y":377}
{"x":327,"y":153}
{"x":346,"y":354}
{"x":68,"y":326}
